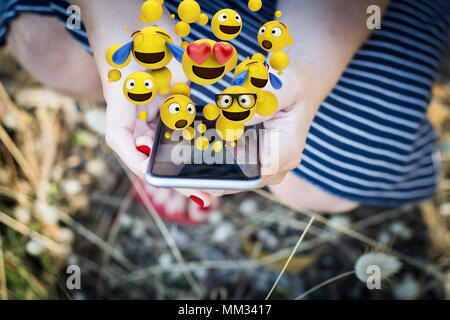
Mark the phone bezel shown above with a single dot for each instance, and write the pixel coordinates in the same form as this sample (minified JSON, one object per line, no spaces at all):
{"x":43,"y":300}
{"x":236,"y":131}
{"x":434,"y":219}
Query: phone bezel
{"x":197,"y":183}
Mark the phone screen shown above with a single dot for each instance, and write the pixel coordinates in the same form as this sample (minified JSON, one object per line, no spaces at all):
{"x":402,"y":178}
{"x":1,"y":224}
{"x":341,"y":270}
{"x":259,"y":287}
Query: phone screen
{"x":175,"y":156}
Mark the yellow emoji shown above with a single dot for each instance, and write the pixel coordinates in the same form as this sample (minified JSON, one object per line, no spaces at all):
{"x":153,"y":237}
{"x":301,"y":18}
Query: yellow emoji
{"x":109,"y":57}
{"x":189,"y":11}
{"x":151,"y":11}
{"x":254,"y":5}
{"x":206,"y":61}
{"x":149,"y":48}
{"x":235,"y":106}
{"x":254,"y":74}
{"x":274,"y":36}
{"x":162,"y":78}
{"x":140,"y":88}
{"x":226,"y":24}
{"x":178,"y":111}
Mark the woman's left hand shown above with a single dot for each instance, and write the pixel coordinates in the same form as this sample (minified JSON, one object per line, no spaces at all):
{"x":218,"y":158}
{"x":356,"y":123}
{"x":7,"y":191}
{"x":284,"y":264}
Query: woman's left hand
{"x":284,"y":134}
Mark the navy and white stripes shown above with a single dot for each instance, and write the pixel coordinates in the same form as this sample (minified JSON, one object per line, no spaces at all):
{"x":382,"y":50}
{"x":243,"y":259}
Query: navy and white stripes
{"x":370,"y":141}
{"x":9,"y":9}
{"x":245,"y":44}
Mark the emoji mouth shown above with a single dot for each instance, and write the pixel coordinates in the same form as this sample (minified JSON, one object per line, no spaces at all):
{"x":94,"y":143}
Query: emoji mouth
{"x":267,"y":44}
{"x":140,"y":97}
{"x":208,"y":73}
{"x":259,"y":83}
{"x":149,"y":57}
{"x":230,"y":29}
{"x":236,"y":116}
{"x":181,"y":124}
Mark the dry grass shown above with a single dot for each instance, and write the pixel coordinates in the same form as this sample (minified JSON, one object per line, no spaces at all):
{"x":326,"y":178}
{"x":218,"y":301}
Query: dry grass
{"x":59,"y":205}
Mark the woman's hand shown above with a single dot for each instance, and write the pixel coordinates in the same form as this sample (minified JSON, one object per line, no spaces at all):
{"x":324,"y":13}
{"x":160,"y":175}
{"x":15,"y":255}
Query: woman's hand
{"x":123,"y":124}
{"x":125,"y":131}
{"x":284,"y":133}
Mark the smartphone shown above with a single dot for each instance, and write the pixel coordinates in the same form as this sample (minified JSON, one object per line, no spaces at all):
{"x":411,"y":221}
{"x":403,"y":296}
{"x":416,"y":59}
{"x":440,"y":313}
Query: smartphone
{"x":177,"y":162}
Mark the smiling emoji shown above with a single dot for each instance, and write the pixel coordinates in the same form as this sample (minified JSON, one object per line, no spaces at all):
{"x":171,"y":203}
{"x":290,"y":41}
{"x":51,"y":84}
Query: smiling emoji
{"x":226,"y":24}
{"x":206,"y":61}
{"x":274,"y":36}
{"x":149,"y":48}
{"x":178,"y":111}
{"x":140,"y":88}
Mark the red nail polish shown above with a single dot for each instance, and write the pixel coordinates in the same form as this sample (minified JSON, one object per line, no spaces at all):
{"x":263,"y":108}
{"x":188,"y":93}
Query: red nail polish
{"x":198,"y":201}
{"x":144,"y":149}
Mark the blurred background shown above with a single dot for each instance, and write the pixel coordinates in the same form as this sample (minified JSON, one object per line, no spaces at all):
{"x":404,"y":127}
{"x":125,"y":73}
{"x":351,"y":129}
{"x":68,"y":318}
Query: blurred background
{"x":65,"y":200}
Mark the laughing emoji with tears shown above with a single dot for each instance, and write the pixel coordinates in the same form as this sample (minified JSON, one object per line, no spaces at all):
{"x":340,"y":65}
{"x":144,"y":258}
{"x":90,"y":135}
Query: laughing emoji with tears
{"x":149,"y":48}
{"x":254,"y":74}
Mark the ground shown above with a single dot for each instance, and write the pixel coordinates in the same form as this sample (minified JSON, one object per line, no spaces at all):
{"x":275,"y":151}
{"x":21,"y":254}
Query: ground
{"x":66,"y":200}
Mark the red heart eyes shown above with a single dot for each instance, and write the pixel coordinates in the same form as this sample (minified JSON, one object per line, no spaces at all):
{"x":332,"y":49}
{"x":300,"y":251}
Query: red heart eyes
{"x":198,"y":52}
{"x":223,"y":52}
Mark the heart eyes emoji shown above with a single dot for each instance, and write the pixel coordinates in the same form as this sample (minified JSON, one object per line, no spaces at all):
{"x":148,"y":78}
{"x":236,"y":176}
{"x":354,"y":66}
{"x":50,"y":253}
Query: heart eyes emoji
{"x":200,"y":52}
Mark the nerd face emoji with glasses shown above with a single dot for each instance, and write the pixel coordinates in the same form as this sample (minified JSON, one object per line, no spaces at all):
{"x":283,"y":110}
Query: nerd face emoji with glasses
{"x":234,"y":107}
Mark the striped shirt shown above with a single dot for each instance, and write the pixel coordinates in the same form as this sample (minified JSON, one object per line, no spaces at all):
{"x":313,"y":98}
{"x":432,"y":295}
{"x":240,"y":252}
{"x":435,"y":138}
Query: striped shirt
{"x":371,"y":141}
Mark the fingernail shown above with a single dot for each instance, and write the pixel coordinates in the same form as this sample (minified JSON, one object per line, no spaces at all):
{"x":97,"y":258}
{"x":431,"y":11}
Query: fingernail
{"x":198,"y":201}
{"x":144,"y":149}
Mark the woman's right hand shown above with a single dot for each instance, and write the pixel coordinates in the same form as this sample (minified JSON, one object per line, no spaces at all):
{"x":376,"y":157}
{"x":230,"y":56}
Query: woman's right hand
{"x":124,"y":130}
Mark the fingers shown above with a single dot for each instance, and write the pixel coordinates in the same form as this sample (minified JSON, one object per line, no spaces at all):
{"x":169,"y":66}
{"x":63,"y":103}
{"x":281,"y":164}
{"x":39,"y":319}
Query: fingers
{"x":120,"y":125}
{"x":282,"y":142}
{"x":294,"y":89}
{"x":201,"y":198}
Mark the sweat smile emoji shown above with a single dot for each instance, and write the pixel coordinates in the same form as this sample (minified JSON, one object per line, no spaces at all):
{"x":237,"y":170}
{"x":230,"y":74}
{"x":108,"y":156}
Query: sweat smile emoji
{"x":149,"y":48}
{"x":274,"y":36}
{"x":226,"y":24}
{"x":140,"y":88}
{"x":206,"y":61}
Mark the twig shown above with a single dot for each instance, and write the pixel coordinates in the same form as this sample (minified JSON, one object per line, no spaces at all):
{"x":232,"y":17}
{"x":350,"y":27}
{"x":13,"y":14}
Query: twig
{"x":166,"y":234}
{"x":320,"y":285}
{"x":15,"y":152}
{"x":27,"y":139}
{"x":92,"y":237}
{"x":427,"y":268}
{"x":112,"y":238}
{"x":3,"y":286}
{"x":50,"y":131}
{"x":31,"y":279}
{"x":290,"y":257}
{"x":26,"y":231}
